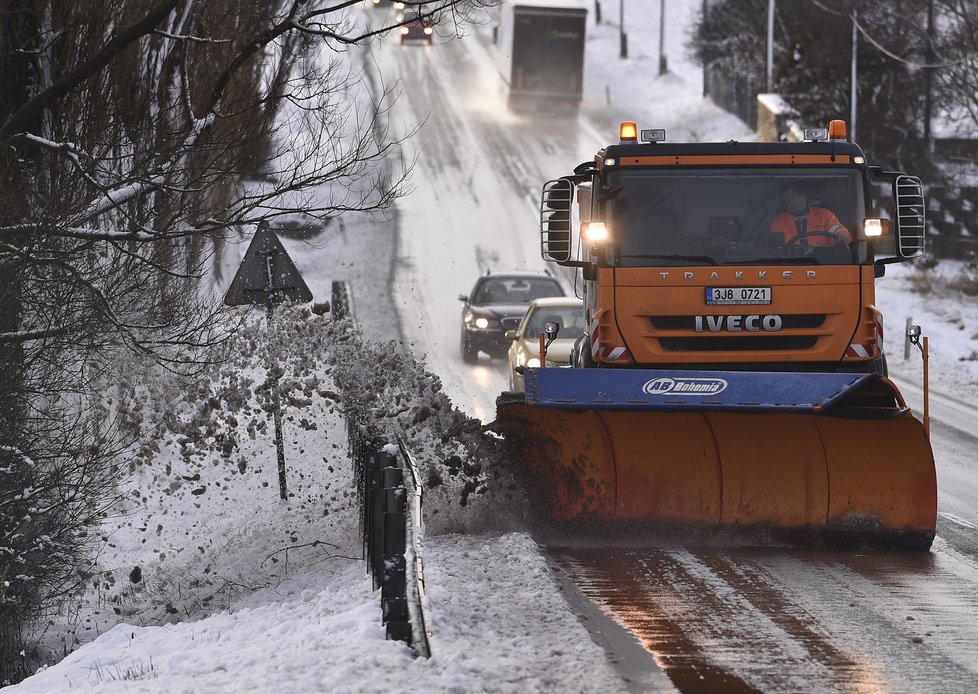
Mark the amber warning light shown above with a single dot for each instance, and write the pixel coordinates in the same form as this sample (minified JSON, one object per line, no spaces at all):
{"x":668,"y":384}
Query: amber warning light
{"x":837,"y":131}
{"x":628,"y":132}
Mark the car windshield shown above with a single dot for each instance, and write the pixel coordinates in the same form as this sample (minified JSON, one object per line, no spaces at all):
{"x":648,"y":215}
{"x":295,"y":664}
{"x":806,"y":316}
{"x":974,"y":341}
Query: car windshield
{"x":718,"y":217}
{"x":570,"y":319}
{"x":515,"y":290}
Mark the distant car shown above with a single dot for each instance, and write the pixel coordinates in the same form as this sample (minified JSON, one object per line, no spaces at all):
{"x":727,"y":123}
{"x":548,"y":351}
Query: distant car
{"x":567,"y":312}
{"x":417,"y":29}
{"x":496,"y":304}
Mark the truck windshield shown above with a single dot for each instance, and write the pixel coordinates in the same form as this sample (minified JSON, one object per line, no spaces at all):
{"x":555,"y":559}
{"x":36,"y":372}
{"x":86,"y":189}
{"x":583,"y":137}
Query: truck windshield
{"x":735,"y":217}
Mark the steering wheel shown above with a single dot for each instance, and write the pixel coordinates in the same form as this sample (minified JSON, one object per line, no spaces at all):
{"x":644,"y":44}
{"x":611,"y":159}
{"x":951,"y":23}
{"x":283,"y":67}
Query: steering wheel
{"x":836,"y":241}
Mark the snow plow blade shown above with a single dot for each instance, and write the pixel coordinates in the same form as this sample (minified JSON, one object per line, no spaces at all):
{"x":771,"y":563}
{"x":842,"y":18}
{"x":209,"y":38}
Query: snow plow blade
{"x":821,"y":456}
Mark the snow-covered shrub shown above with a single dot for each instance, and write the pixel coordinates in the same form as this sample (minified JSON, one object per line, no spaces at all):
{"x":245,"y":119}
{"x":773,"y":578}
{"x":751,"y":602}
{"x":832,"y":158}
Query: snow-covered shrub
{"x":202,"y":520}
{"x":466,"y":487}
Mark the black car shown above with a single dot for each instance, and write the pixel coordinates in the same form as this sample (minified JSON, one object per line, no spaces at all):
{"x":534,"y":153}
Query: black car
{"x":496,"y":304}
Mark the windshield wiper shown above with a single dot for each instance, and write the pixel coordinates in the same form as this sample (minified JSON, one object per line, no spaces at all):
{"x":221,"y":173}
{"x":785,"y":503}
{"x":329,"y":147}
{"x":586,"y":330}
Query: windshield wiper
{"x":803,"y":260}
{"x":692,"y":258}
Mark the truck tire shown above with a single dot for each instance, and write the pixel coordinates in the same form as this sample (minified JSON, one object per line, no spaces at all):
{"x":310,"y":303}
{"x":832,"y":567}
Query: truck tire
{"x":879,"y":366}
{"x":581,"y":354}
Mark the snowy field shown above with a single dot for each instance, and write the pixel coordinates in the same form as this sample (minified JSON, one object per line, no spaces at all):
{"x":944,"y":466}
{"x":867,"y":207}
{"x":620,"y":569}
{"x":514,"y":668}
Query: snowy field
{"x":239,"y":591}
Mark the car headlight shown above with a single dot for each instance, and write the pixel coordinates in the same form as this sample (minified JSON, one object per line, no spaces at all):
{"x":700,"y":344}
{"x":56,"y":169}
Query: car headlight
{"x":533,"y":362}
{"x":404,"y":30}
{"x":481,"y":322}
{"x":427,"y":30}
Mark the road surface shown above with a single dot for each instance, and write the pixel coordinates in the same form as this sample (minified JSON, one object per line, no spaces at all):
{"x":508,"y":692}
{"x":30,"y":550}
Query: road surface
{"x":714,"y":618}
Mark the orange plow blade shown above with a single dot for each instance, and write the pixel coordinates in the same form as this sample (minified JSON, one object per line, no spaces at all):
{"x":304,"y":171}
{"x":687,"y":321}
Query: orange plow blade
{"x":854,"y":475}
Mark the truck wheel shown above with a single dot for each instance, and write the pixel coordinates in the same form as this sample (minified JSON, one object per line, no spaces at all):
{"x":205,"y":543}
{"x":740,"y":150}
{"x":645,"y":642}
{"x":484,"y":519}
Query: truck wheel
{"x":879,"y":366}
{"x":581,"y":354}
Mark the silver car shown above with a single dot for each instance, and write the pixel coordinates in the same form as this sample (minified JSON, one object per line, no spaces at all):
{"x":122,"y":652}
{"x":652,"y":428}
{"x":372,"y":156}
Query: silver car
{"x":567,"y":312}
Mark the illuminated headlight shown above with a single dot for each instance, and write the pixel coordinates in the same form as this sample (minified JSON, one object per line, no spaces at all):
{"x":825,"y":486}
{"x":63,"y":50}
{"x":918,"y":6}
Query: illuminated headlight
{"x":533,"y":362}
{"x":481,"y":322}
{"x":427,"y":31}
{"x":404,"y":30}
{"x":399,"y":5}
{"x":874,"y":227}
{"x":596,"y":232}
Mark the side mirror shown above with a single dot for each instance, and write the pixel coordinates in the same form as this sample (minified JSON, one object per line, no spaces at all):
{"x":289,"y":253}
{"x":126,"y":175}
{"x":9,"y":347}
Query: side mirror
{"x":463,"y":297}
{"x":555,"y":220}
{"x":510,"y":334}
{"x":908,"y":192}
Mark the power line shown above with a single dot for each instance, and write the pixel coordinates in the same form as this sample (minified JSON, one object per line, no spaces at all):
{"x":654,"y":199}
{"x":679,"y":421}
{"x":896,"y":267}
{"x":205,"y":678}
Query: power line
{"x":887,"y":52}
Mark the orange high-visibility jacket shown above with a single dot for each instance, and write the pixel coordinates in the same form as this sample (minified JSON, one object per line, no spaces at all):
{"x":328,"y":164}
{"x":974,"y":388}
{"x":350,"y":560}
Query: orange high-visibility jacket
{"x":819,"y":219}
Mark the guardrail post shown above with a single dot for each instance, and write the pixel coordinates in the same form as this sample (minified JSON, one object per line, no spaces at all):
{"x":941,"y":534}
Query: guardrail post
{"x":364,"y":491}
{"x":393,"y":596}
{"x":375,"y":504}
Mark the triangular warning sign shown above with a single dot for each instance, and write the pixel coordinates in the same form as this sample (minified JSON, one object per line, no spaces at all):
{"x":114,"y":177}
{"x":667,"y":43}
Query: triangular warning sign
{"x":267,"y":274}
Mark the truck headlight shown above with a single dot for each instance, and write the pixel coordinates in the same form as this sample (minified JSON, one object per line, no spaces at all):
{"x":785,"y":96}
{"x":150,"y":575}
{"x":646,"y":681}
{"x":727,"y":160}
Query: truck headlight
{"x":596,"y":232}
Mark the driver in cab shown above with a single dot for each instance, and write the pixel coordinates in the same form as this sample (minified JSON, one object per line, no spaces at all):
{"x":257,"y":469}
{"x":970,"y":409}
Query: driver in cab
{"x":804,"y":224}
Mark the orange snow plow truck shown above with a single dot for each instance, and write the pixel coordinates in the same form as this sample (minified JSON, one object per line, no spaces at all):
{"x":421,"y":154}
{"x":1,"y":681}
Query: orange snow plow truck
{"x":732,"y":373}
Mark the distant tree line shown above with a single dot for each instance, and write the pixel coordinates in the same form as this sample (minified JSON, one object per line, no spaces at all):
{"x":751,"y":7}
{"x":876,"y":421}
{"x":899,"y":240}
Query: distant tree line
{"x":129,"y":132}
{"x":917,"y":78}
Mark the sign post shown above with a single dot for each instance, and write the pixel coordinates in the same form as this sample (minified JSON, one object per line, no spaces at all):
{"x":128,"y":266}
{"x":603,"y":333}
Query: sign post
{"x":268,"y":276}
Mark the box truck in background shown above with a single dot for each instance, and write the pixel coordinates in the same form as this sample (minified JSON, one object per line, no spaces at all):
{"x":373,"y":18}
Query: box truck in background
{"x":541,"y":50}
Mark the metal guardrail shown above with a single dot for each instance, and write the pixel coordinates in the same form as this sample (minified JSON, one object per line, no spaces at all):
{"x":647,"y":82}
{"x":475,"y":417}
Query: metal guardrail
{"x":341,"y":304}
{"x":415,"y":565}
{"x":389,"y":495}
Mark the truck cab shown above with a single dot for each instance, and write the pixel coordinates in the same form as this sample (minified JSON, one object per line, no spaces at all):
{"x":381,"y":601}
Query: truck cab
{"x":733,"y":255}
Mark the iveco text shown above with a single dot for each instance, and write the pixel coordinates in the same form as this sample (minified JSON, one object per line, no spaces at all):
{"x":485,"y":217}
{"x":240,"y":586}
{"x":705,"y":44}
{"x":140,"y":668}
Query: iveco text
{"x":736,"y":324}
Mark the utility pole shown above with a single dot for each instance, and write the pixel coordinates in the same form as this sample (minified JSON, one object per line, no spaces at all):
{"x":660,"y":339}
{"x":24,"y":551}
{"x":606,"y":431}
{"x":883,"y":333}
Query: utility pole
{"x":662,"y":37}
{"x":852,"y":78}
{"x":622,"y":36}
{"x":770,"y":46}
{"x":928,"y":78}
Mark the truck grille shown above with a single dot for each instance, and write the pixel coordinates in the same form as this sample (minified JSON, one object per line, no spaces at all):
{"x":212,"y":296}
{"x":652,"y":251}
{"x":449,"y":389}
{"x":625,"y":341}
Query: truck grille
{"x":801,"y":321}
{"x":716,"y":343}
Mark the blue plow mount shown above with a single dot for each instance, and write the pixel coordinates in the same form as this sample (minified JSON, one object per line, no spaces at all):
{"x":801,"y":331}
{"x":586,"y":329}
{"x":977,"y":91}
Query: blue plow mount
{"x":664,"y":389}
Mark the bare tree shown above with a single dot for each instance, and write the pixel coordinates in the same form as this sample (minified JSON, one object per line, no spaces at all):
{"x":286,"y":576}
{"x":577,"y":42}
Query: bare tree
{"x":130,"y":135}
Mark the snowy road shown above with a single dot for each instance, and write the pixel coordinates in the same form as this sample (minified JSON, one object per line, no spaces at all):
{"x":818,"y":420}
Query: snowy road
{"x":714,"y":619}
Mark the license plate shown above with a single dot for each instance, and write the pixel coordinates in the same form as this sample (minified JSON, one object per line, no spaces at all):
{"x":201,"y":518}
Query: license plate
{"x":737,"y":295}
